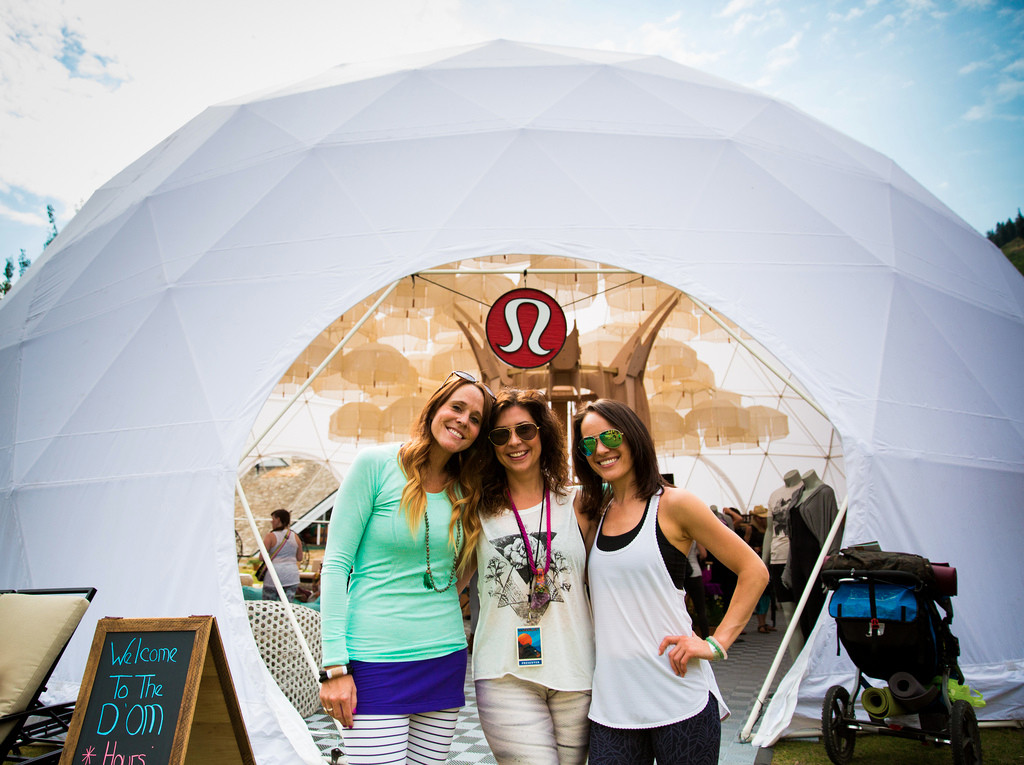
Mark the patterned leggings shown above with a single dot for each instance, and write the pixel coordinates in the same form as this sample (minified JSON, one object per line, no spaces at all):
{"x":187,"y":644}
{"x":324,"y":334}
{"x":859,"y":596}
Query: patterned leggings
{"x":688,"y":742}
{"x":422,"y":739}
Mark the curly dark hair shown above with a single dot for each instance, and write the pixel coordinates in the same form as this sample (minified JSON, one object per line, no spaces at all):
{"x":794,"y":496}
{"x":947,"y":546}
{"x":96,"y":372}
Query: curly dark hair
{"x":641,"y":448}
{"x":554,"y":464}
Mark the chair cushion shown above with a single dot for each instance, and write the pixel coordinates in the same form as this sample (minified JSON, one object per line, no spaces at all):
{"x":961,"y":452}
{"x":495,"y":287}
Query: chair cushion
{"x":33,"y":631}
{"x":281,"y":652}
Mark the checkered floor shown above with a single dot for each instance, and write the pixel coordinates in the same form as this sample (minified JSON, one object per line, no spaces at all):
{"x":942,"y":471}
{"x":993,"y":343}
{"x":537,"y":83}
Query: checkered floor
{"x":739,"y":678}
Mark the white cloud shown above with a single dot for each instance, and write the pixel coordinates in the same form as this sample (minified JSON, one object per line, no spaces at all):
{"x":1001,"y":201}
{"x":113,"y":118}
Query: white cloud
{"x":132,"y":76}
{"x":736,"y":6}
{"x":784,"y":55}
{"x":1009,"y":90}
{"x":977,"y":113}
{"x":666,"y":38}
{"x":916,"y":8}
{"x":1014,"y":67}
{"x":1006,"y":90}
{"x":21,"y":216}
{"x":972,"y":67}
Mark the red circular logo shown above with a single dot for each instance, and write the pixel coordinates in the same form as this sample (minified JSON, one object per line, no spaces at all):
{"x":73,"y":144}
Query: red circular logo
{"x":525,"y":328}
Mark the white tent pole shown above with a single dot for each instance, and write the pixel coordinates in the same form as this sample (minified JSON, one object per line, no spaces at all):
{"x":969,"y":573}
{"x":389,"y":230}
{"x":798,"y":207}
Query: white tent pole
{"x":759,"y":702}
{"x":277,"y":582}
{"x":518,"y":271}
{"x":323,"y":365}
{"x":786,"y":381}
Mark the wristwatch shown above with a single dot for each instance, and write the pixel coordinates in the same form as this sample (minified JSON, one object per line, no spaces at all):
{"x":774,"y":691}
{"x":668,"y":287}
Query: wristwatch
{"x":333,"y":672}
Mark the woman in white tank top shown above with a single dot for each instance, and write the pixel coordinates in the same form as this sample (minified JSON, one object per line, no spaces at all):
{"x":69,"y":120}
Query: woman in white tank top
{"x":654,"y":694}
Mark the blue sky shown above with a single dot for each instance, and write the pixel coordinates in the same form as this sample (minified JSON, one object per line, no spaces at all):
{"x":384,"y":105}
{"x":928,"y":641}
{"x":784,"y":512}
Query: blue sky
{"x":87,"y":86}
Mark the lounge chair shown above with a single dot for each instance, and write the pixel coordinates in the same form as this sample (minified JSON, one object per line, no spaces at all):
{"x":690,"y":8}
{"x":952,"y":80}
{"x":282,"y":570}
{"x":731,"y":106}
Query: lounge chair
{"x":35,"y":627}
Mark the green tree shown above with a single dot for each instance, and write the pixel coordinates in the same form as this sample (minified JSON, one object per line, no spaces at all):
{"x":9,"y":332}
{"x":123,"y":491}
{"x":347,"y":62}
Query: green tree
{"x":6,"y":284}
{"x":1005,"y":233}
{"x":53,"y":225}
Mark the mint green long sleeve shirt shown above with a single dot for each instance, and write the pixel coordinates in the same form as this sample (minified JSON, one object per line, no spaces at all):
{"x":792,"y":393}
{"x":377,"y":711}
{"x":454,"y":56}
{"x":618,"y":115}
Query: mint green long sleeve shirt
{"x":385,"y":613}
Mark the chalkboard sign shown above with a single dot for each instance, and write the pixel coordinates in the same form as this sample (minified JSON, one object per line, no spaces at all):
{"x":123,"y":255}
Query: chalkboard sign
{"x":154,"y":691}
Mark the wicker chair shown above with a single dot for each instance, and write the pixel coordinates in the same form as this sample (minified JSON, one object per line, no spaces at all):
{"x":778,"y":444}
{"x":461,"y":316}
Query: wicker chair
{"x":281,"y":651}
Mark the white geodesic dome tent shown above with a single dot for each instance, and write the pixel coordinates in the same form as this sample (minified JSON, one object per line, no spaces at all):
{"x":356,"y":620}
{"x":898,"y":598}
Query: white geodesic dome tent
{"x":138,"y":351}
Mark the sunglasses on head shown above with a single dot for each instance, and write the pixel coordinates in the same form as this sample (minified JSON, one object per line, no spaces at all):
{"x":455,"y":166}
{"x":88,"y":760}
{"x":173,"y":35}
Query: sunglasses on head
{"x":468,"y":378}
{"x":610,"y":438}
{"x":526,"y":431}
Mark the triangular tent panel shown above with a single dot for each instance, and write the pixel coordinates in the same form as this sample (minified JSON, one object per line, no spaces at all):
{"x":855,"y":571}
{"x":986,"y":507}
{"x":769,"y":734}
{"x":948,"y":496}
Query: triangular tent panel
{"x":139,"y":350}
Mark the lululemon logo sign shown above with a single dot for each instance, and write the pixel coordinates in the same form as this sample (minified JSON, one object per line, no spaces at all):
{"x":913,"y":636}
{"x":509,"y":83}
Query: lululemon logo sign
{"x":526,"y":328}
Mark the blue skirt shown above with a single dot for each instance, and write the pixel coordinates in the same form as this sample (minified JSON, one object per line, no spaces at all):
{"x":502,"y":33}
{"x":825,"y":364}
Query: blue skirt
{"x":410,"y":687}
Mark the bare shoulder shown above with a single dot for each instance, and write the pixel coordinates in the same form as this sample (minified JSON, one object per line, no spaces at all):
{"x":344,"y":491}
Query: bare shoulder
{"x":684,"y":516}
{"x":682,"y":504}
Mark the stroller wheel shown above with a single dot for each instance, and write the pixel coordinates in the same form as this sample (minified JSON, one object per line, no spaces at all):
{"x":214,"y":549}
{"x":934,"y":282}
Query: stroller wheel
{"x":964,"y":735}
{"x":839,"y":739}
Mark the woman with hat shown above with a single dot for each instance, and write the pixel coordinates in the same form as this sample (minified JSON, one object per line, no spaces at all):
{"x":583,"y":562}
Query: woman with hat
{"x":758,"y":526}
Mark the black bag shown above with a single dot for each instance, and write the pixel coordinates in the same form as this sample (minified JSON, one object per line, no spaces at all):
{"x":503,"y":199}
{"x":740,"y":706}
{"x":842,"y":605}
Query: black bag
{"x":261,"y":572}
{"x":859,"y":559}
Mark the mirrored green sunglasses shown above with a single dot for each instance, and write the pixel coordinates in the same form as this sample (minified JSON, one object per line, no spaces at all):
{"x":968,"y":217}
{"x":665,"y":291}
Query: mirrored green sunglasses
{"x":610,"y":438}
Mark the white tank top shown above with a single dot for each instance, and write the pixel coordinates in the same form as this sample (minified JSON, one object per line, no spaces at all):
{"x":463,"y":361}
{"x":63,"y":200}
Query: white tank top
{"x":635,"y":607}
{"x":567,"y":631}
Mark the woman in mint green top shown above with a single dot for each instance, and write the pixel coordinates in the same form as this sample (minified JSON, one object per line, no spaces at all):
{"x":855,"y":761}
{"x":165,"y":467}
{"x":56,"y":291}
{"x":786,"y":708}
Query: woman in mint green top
{"x":394,"y":648}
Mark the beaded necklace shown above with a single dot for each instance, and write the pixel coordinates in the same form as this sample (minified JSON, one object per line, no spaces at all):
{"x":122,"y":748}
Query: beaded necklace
{"x":428,"y":576}
{"x":539,"y":594}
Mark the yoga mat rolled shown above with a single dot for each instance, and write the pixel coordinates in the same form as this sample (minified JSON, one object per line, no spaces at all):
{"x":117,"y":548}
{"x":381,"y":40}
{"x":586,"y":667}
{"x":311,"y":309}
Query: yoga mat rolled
{"x":909,"y":693}
{"x":879,"y":702}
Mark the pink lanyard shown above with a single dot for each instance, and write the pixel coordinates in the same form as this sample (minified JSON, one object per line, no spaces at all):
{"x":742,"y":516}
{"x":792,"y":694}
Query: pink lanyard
{"x":538,"y":574}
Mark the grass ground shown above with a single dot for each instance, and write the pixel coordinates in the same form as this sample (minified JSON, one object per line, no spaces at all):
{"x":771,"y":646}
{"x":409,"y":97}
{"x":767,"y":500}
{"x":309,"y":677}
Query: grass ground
{"x":999,"y":746}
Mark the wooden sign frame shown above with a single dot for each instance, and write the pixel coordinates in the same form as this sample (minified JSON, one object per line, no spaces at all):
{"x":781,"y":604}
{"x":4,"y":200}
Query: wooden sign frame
{"x":209,"y":728}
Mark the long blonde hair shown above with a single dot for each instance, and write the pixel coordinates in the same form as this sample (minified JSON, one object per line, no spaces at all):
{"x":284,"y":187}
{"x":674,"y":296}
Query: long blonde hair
{"x":463,"y":470}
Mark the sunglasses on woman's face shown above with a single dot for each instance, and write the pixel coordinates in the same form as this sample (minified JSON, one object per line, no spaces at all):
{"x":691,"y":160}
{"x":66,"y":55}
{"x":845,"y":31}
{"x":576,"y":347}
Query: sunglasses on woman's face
{"x":470,"y":379}
{"x":610,"y":438}
{"x":525,"y":431}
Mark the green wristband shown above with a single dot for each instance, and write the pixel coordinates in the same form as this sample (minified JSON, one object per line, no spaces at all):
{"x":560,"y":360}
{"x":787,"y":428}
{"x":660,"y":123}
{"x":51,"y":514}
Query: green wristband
{"x":716,"y":648}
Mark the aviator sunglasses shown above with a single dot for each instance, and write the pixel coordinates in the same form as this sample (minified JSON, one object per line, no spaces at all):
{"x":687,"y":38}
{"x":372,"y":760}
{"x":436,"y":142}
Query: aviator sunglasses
{"x":470,"y":379}
{"x":610,"y":438}
{"x":526,"y":431}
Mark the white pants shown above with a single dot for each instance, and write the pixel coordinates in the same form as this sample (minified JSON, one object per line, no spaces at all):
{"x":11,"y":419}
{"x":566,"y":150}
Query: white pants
{"x":420,"y":739}
{"x":529,"y":724}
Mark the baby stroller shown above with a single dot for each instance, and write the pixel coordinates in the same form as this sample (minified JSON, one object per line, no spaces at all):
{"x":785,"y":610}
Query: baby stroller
{"x":886,"y":607}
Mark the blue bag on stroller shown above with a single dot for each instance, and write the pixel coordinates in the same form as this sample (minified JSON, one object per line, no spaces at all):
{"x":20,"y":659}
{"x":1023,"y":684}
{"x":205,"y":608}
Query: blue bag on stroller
{"x":886,"y":607}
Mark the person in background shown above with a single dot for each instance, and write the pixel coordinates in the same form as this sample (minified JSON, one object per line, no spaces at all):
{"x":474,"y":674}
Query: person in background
{"x":394,"y":647}
{"x":695,"y":589}
{"x":533,"y":696}
{"x":285,"y":550}
{"x":755,"y":538}
{"x":654,"y":694}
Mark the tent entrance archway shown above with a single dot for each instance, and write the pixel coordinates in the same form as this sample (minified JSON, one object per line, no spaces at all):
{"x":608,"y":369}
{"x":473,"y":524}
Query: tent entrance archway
{"x":728,"y":419}
{"x":717,"y":403}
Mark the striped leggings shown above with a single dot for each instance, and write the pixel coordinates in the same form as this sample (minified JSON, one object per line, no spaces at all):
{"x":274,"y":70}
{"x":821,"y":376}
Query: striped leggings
{"x":419,"y":739}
